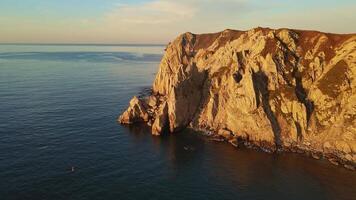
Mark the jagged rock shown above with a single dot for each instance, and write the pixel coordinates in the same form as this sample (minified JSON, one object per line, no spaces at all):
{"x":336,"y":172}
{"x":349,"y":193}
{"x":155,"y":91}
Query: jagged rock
{"x":350,"y":167}
{"x":315,"y":156}
{"x":275,"y":89}
{"x":137,"y":112}
{"x":234,"y":142}
{"x":225,"y":133}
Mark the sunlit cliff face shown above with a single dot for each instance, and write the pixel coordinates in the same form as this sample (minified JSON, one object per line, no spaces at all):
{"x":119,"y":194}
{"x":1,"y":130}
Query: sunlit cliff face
{"x":277,"y":89}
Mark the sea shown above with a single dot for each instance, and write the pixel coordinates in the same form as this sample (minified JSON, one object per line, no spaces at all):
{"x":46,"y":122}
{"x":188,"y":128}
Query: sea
{"x":59,"y":137}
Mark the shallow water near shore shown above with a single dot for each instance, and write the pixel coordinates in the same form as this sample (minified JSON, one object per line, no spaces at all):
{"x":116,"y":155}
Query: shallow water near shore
{"x":60,"y":140}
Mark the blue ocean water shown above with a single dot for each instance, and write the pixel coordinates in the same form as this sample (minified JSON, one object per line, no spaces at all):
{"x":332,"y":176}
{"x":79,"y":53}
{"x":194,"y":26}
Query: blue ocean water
{"x":59,"y":138}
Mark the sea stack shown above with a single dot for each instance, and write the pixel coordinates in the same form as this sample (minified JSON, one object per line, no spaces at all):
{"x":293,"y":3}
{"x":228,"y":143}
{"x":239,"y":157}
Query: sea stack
{"x":277,"y":89}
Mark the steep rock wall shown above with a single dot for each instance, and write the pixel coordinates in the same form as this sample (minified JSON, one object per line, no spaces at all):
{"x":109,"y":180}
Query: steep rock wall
{"x":276,"y":89}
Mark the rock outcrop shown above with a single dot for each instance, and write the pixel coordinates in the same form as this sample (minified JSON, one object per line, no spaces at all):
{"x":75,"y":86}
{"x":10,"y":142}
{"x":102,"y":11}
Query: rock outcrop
{"x":278,"y":89}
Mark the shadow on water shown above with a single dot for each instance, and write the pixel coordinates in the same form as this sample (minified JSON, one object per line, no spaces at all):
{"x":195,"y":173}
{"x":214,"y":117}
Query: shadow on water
{"x":179,"y":148}
{"x":196,"y":164}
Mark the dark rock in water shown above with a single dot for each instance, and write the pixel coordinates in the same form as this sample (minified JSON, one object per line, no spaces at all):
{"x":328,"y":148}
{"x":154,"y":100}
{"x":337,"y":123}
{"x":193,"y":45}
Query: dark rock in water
{"x":316,"y":155}
{"x":300,"y":151}
{"x":350,"y":167}
{"x":333,"y":161}
{"x":145,"y":92}
{"x":189,"y":148}
{"x":234,"y":143}
{"x":217,"y":139}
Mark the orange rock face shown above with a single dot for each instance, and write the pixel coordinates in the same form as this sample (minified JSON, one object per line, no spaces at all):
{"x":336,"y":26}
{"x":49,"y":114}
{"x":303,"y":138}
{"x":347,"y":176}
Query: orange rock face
{"x":276,"y":89}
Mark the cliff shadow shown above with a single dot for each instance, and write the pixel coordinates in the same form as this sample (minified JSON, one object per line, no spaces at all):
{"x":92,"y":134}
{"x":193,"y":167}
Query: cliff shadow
{"x":302,"y":96}
{"x":189,"y":95}
{"x":300,"y":91}
{"x":299,"y":130}
{"x":260,"y":85}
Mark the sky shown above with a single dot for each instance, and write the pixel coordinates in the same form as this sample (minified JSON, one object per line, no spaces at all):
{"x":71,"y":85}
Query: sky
{"x":160,"y":21}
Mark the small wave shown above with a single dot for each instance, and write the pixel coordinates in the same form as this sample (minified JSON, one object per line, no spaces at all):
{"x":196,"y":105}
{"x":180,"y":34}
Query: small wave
{"x":43,"y":147}
{"x":107,"y":57}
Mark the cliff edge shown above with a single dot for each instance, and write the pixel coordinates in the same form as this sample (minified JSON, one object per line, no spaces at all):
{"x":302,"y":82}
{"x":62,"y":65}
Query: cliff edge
{"x":277,"y":89}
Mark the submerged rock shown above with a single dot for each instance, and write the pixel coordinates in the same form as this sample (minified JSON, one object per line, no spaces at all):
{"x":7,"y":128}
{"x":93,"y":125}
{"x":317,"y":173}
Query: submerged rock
{"x":277,"y":89}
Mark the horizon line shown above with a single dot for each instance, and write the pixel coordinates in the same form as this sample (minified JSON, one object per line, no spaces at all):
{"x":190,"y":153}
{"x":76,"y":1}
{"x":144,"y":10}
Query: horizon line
{"x":81,"y":44}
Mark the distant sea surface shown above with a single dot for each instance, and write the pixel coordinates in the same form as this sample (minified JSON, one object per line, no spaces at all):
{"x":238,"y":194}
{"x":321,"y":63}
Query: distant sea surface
{"x":59,"y":138}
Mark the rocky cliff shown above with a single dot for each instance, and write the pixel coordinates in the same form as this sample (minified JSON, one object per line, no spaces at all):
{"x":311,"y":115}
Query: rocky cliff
{"x":280,"y":89}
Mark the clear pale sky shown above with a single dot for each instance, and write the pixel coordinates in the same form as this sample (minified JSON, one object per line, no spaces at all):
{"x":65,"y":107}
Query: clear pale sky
{"x":159,"y":21}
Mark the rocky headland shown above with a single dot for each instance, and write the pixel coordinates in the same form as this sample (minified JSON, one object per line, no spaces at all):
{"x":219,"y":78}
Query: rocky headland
{"x":273,"y":89}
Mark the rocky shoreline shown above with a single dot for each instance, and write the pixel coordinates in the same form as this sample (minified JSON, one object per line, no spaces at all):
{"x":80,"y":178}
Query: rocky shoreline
{"x":272,"y":89}
{"x":267,"y":148}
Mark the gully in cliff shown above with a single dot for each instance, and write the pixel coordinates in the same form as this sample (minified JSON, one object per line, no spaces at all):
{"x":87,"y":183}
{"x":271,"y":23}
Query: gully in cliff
{"x":280,"y":89}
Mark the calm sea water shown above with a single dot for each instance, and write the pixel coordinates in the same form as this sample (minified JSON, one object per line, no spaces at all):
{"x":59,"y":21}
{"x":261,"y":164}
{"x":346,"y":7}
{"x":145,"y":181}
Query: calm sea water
{"x":58,"y":110}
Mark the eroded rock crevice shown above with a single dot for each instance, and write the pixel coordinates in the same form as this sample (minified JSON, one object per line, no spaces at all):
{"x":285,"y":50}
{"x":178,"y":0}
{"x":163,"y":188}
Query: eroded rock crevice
{"x":303,"y":96}
{"x":260,"y":83}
